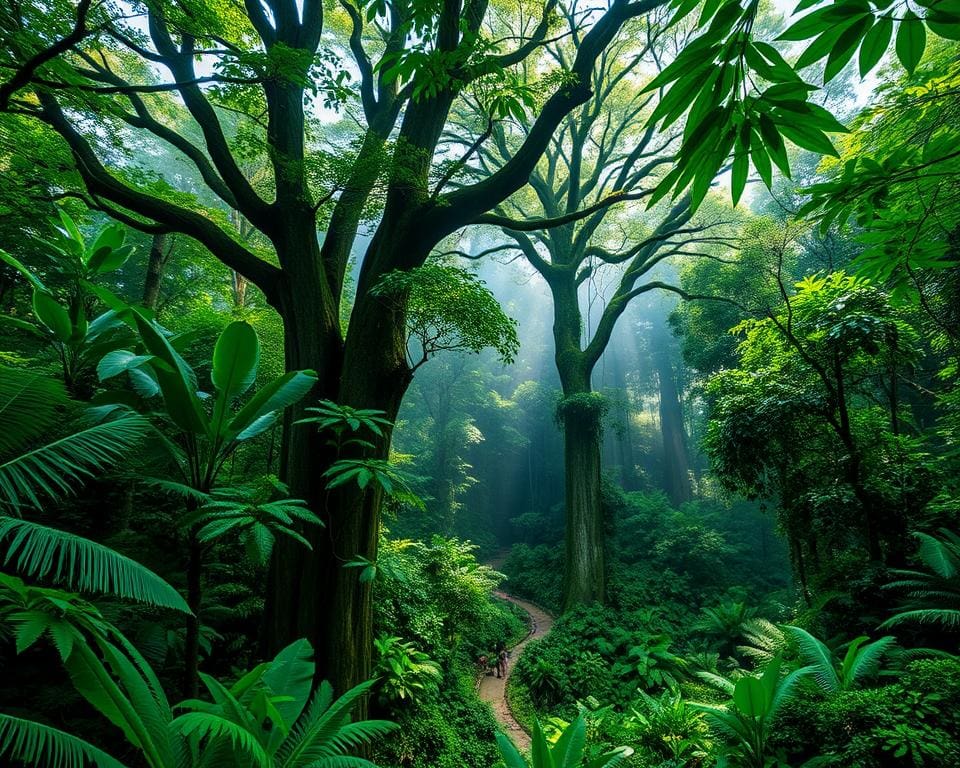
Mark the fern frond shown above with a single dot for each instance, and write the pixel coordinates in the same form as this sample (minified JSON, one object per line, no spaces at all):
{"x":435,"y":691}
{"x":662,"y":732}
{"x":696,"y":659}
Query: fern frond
{"x":54,"y":469}
{"x":41,"y":746}
{"x":42,"y":552}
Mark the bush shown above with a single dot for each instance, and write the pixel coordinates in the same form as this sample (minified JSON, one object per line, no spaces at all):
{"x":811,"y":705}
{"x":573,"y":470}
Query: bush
{"x":913,"y":722}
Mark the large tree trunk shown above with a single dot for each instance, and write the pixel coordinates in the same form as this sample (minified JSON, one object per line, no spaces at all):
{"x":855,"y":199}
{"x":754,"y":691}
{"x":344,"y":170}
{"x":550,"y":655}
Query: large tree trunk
{"x":584,"y":574}
{"x":676,"y":461}
{"x":312,"y":594}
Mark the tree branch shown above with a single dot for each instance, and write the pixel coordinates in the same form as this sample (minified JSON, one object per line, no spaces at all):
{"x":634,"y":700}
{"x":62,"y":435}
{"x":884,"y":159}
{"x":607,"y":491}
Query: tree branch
{"x":24,"y":74}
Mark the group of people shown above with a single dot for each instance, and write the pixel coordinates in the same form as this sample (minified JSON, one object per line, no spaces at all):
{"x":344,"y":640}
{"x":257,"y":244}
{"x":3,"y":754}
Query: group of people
{"x":498,"y":664}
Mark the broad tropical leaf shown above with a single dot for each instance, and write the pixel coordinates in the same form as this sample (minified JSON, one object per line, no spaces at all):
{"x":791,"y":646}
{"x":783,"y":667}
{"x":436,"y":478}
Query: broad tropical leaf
{"x":263,"y":408}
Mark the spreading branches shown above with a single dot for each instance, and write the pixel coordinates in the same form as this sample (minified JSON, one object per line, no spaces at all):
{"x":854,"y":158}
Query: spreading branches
{"x":532,"y":225}
{"x":104,"y":186}
{"x":24,"y":75}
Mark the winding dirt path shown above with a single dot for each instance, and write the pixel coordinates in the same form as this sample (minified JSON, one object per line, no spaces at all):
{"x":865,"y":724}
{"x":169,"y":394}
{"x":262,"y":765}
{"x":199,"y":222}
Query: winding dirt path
{"x":494,"y":690}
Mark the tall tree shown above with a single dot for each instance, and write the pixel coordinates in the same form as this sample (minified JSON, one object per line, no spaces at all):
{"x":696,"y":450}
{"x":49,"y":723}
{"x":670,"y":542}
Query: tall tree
{"x":97,"y":74}
{"x":90,"y":76}
{"x":602,"y":151}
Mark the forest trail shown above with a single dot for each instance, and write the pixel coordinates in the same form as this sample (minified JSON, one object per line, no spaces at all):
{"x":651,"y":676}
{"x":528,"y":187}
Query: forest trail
{"x":494,"y":690}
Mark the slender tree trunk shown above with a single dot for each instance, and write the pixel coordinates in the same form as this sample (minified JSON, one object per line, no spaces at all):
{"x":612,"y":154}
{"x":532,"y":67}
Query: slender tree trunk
{"x":191,"y":646}
{"x":160,"y":249}
{"x":676,"y":462}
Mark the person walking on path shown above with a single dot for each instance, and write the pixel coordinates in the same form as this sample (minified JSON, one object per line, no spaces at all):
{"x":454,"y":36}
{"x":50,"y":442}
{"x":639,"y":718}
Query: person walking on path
{"x":501,"y":659}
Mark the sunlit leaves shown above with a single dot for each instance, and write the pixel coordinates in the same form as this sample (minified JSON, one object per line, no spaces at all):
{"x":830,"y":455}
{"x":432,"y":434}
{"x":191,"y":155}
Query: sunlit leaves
{"x":726,"y":84}
{"x":911,"y":40}
{"x":448,"y":308}
{"x":875,"y":44}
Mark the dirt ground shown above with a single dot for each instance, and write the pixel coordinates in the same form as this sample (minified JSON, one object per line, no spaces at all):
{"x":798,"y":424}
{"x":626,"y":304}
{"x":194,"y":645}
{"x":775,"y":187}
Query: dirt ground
{"x":493,"y":690}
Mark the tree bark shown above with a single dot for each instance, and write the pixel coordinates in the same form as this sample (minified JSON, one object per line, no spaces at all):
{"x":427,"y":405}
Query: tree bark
{"x":160,"y":249}
{"x":584,"y":573}
{"x":676,"y":461}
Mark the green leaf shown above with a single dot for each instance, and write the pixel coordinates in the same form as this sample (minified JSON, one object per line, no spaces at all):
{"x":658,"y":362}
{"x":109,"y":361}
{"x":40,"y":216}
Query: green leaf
{"x":845,"y":47}
{"x":760,"y":158}
{"x":875,"y":44}
{"x":35,"y":744}
{"x":235,"y":359}
{"x":911,"y":40}
{"x":807,"y":138}
{"x":50,"y":312}
{"x":111,"y":236}
{"x":773,"y":142}
{"x":33,"y":279}
{"x":108,"y":259}
{"x":78,"y":563}
{"x":750,"y":697}
{"x":176,"y":379}
{"x":119,"y":361}
{"x":291,"y":673}
{"x":741,"y":166}
{"x":262,"y":409}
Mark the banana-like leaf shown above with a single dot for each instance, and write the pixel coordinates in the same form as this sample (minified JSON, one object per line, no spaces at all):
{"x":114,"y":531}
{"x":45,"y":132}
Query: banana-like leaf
{"x":568,"y":750}
{"x":176,"y":379}
{"x":50,"y":312}
{"x":236,"y":358}
{"x":260,"y":411}
{"x":511,"y":756}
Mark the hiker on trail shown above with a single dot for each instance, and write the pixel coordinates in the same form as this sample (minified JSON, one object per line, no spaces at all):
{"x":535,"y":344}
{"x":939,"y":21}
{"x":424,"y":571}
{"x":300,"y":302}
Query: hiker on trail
{"x":501,"y":659}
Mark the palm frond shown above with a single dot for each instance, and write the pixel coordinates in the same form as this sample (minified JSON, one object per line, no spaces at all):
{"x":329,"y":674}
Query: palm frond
{"x":816,"y":654}
{"x":866,"y":661}
{"x":343,"y":761}
{"x":54,"y":469}
{"x":42,"y":552}
{"x":717,"y":681}
{"x":34,"y":744}
{"x":939,"y":555}
{"x":949,"y":617}
{"x":29,"y":404}
{"x":205,"y":725}
{"x":316,"y":732}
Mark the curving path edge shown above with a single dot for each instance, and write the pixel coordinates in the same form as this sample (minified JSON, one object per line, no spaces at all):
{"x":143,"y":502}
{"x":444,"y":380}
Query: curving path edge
{"x":493,"y":690}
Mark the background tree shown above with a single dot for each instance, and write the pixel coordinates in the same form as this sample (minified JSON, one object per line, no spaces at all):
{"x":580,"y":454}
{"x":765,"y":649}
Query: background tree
{"x":602,"y":153}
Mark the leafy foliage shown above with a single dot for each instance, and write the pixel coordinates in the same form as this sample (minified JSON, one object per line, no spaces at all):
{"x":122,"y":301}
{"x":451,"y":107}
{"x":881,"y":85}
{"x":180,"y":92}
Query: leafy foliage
{"x":448,"y":308}
{"x":933,"y":594}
